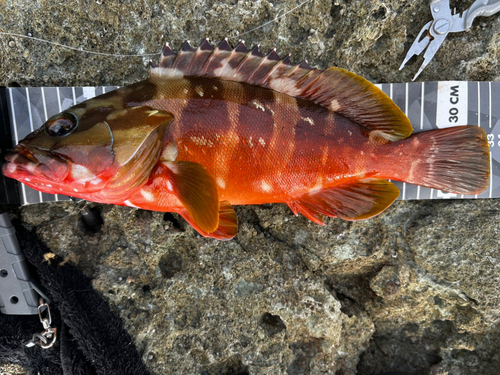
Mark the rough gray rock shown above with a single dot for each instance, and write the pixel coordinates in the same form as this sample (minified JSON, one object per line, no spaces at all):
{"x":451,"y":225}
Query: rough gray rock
{"x":413,"y":291}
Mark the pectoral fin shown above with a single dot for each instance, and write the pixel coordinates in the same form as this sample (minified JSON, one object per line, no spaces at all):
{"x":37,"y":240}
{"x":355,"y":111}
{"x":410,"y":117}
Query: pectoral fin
{"x":228,"y":223}
{"x":353,"y":201}
{"x":197,"y":191}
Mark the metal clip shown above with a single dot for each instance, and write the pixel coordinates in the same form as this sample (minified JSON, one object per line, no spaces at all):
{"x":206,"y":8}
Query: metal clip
{"x":433,"y":34}
{"x":47,"y":338}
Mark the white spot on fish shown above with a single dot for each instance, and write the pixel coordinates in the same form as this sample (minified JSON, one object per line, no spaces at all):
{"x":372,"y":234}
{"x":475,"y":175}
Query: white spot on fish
{"x":95,"y":181}
{"x":130,"y":204}
{"x":49,"y":185}
{"x":262,"y":142}
{"x":215,"y":88}
{"x":334,"y":105}
{"x":221,"y":183}
{"x":27,"y":179}
{"x":169,"y":186}
{"x":170,"y":152}
{"x":266,"y":187}
{"x":258,"y":105}
{"x":199,"y":90}
{"x":79,"y":173}
{"x":350,"y":133}
{"x":202,"y":141}
{"x":147,"y":195}
{"x":413,"y":169}
{"x":250,"y":142}
{"x":362,"y":153}
{"x":324,"y":158}
{"x":309,"y":120}
{"x":174,"y":168}
{"x":76,"y":190}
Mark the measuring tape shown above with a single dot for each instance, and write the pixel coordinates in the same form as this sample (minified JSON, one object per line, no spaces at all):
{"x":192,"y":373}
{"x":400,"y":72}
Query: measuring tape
{"x":428,"y":105}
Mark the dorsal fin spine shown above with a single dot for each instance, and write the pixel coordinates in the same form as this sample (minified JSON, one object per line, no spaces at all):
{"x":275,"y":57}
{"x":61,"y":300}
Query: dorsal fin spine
{"x":242,"y":62}
{"x":262,"y":61}
{"x":271,"y":71}
{"x":206,"y":64}
{"x":206,"y":46}
{"x":224,"y":45}
{"x":240,"y":48}
{"x":303,"y":78}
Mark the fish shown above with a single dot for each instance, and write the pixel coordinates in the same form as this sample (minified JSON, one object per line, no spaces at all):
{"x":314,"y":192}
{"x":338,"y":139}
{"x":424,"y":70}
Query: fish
{"x":216,"y":126}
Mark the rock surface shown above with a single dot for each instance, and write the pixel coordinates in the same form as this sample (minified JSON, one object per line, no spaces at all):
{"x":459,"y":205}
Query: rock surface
{"x":413,"y":291}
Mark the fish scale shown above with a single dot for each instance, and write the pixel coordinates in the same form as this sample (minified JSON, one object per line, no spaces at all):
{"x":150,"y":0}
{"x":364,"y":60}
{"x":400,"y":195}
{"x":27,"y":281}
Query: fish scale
{"x":216,"y":126}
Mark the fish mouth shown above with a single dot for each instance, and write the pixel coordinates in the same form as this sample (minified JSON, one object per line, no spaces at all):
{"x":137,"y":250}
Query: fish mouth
{"x":23,"y":162}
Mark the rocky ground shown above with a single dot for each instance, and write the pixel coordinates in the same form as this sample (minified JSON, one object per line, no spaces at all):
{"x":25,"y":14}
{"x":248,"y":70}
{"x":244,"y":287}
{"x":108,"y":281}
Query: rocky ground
{"x":413,"y":291}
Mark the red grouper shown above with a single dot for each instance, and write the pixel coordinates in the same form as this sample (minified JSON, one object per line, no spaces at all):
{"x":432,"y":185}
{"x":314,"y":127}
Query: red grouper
{"x":216,"y":127}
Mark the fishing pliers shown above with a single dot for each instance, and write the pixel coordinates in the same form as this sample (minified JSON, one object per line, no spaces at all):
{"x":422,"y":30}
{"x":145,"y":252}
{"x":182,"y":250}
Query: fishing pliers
{"x":446,"y":22}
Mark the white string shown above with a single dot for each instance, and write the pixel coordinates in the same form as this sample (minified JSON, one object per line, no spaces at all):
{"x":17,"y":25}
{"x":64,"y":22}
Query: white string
{"x":268,"y":22}
{"x":78,"y":49}
{"x":145,"y":54}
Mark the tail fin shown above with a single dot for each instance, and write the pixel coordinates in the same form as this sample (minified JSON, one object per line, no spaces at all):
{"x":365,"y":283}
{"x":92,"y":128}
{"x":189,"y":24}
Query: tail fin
{"x":456,"y":160}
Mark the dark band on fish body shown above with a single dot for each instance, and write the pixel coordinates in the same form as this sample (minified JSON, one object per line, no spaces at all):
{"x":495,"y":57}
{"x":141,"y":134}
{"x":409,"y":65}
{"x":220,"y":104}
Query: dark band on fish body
{"x":141,"y":92}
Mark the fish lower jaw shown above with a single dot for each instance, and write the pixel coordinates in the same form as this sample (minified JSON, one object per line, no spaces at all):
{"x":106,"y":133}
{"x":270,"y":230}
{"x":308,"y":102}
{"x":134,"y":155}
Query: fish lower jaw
{"x":9,"y":169}
{"x":18,"y":164}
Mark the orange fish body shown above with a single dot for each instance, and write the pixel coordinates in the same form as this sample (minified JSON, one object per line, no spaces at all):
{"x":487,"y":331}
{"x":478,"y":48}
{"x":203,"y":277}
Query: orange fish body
{"x":213,"y":128}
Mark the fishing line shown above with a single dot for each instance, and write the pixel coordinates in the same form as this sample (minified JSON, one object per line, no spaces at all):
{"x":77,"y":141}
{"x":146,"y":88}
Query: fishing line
{"x":77,"y":49}
{"x":268,"y":22}
{"x":41,"y":40}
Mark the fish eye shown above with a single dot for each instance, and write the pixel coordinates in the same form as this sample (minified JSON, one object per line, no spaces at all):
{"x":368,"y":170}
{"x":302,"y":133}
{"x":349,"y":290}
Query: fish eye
{"x":61,"y":124}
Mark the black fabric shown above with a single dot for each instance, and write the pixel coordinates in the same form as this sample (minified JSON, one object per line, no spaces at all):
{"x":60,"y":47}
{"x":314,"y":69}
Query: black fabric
{"x":91,"y":339}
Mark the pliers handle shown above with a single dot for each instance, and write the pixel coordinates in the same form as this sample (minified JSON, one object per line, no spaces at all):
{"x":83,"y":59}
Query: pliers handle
{"x":445,"y":22}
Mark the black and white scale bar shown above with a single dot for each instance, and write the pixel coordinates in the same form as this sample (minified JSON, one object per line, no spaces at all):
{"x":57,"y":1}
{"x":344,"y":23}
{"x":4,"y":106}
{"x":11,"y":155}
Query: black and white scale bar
{"x":429,"y":105}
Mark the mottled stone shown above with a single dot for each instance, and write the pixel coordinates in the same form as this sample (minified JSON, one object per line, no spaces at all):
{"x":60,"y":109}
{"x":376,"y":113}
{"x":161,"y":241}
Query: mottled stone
{"x":413,"y":291}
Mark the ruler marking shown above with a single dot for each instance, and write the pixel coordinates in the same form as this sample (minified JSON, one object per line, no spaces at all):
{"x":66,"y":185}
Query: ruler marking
{"x":489,"y":104}
{"x":422,"y":92}
{"x":44,"y":104}
{"x":29,"y":109}
{"x":58,"y":99}
{"x":406,"y":114}
{"x":30,"y":115}
{"x":16,"y":136}
{"x":422,"y":107}
{"x":491,"y":176}
{"x":56,"y":196}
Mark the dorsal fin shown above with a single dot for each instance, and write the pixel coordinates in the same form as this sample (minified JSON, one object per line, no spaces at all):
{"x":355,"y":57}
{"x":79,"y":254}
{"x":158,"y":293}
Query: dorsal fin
{"x":336,"y":89}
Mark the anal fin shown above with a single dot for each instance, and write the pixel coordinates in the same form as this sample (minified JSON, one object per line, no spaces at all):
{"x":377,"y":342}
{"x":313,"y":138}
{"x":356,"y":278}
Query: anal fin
{"x":351,"y":201}
{"x":228,"y":223}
